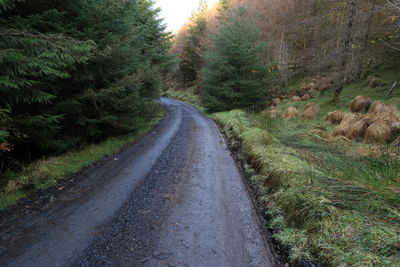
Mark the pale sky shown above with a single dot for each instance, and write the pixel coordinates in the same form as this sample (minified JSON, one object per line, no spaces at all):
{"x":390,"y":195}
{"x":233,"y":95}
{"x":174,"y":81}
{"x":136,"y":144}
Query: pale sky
{"x":177,"y":12}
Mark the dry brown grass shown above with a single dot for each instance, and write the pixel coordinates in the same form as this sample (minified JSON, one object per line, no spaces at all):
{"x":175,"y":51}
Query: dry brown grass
{"x":296,"y":99}
{"x":311,"y":110}
{"x":382,"y":107}
{"x":305,"y":97}
{"x":378,"y":132}
{"x":358,"y":130}
{"x":291,"y":113}
{"x":324,"y":84}
{"x":360,"y":104}
{"x":319,"y":84}
{"x":344,"y":126}
{"x":375,"y":81}
{"x":335,"y":117}
{"x":5,"y":147}
{"x":376,"y":126}
{"x":311,"y":85}
{"x":276,"y":101}
{"x":391,"y":118}
{"x":271,"y":113}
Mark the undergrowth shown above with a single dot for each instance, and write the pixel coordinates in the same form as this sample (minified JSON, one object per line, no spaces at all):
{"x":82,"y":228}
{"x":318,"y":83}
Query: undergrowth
{"x":186,"y":95}
{"x":45,"y":173}
{"x":336,"y":203}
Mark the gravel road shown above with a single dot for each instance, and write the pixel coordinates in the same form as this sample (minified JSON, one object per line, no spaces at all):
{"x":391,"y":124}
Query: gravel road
{"x":174,"y":198}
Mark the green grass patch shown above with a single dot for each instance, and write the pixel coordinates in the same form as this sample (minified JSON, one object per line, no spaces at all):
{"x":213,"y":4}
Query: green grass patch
{"x":45,"y":173}
{"x":331,"y":204}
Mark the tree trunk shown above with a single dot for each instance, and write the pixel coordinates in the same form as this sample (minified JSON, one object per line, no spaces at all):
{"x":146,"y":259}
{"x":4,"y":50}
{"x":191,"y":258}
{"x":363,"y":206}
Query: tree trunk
{"x":346,"y":45}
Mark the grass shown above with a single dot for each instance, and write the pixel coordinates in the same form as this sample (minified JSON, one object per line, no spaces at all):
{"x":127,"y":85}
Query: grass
{"x":187,"y":95}
{"x":46,"y":173}
{"x":333,"y":202}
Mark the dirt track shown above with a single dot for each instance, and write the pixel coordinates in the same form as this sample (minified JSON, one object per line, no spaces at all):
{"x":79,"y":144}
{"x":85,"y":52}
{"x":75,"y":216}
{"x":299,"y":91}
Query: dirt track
{"x":174,"y":198}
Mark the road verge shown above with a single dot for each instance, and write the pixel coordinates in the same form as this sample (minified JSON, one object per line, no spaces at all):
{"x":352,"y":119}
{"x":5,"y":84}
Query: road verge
{"x":40,"y":178}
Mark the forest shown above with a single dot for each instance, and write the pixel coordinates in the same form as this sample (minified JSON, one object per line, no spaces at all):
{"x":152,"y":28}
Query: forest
{"x":76,"y":72}
{"x":338,"y":41}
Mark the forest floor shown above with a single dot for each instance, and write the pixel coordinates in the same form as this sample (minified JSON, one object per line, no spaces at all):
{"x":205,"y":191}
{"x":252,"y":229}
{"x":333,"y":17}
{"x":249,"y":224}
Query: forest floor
{"x":173,"y":198}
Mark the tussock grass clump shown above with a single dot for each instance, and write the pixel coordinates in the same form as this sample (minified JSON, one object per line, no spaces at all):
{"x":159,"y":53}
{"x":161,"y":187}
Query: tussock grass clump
{"x":291,"y":113}
{"x":358,"y":130}
{"x":296,"y":99}
{"x":305,"y":97}
{"x":311,"y":110}
{"x":344,"y":126}
{"x":271,"y":113}
{"x":375,"y":82}
{"x":310,"y":85}
{"x":320,"y":84}
{"x":325,"y":84}
{"x":276,"y":102}
{"x":378,"y":132}
{"x":376,"y":126}
{"x":360,"y":104}
{"x":335,"y":117}
{"x":381,"y":107}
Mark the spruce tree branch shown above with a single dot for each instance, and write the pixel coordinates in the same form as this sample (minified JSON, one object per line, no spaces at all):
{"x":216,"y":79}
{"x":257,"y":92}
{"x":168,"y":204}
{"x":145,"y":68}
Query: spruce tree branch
{"x":15,"y":33}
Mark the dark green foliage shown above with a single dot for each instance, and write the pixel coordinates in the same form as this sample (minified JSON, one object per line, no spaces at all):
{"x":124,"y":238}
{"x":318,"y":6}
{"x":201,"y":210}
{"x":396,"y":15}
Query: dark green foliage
{"x":235,"y":74}
{"x":76,"y":72}
{"x":191,"y":59}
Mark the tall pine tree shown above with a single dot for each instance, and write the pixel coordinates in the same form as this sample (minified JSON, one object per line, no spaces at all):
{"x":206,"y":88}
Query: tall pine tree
{"x":235,"y":74}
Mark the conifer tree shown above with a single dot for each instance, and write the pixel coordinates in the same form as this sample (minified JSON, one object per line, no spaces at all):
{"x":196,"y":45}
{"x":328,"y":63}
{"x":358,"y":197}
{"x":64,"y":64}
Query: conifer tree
{"x":75,"y":72}
{"x":235,"y":74}
{"x":191,"y":60}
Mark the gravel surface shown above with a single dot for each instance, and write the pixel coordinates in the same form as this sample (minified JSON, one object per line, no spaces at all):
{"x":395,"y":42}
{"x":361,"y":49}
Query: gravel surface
{"x":174,"y":198}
